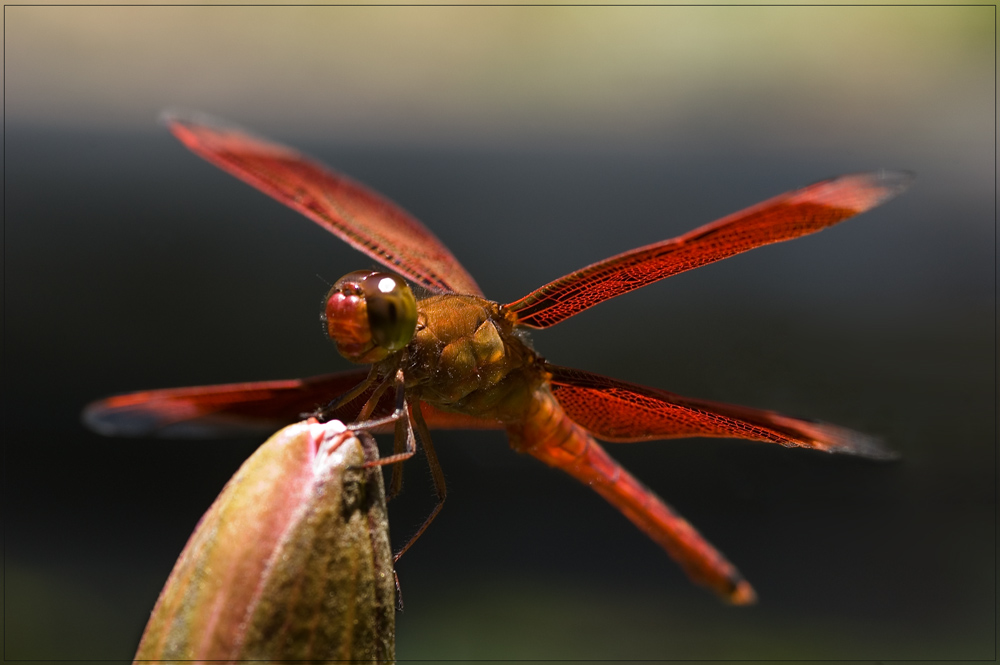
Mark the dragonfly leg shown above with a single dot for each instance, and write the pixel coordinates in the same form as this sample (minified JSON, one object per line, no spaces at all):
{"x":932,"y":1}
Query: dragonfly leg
{"x":440,"y":487}
{"x":371,"y":453}
{"x":404,"y":444}
{"x":400,"y":416}
{"x":405,"y":416}
{"x":404,"y":428}
{"x":398,"y":448}
{"x":400,"y":443}
{"x":399,"y":590}
{"x":326,"y":412}
{"x":369,"y":407}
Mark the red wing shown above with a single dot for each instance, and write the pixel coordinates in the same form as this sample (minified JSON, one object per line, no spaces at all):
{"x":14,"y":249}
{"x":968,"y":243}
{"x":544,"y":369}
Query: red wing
{"x":365,"y":220}
{"x":784,"y":217}
{"x":244,"y":409}
{"x":618,"y":411}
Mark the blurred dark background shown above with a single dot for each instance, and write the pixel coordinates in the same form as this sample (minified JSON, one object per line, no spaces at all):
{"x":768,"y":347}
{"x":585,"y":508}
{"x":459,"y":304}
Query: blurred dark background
{"x":532,"y":141}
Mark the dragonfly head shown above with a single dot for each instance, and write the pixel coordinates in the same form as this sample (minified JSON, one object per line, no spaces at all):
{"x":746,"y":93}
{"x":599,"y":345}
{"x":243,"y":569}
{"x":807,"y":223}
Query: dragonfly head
{"x":369,"y":315}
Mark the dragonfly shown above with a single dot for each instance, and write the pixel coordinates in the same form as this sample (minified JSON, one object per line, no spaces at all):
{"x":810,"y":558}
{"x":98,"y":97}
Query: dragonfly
{"x":442,"y":356}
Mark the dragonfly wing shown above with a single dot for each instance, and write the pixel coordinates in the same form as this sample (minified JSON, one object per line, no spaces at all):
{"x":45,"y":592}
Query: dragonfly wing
{"x":784,"y":217}
{"x":357,"y":215}
{"x":245,"y":409}
{"x":235,"y":409}
{"x":622,"y":412}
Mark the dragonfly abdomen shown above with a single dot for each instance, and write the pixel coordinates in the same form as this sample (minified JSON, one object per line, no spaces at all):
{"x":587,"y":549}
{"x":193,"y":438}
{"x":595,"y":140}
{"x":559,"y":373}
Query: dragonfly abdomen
{"x":551,"y":436}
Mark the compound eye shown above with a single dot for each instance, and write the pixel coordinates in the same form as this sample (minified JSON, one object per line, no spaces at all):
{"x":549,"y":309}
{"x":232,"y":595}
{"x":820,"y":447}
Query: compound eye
{"x":350,"y":284}
{"x":392,"y":309}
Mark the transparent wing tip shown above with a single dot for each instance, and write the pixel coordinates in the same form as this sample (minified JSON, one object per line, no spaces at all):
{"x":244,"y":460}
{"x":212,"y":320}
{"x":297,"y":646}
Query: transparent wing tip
{"x":147,"y":420}
{"x":893,"y":182}
{"x":846,"y":441}
{"x":106,"y":420}
{"x":864,"y":191}
{"x":209,"y":136}
{"x":855,"y":192}
{"x":187,"y":117}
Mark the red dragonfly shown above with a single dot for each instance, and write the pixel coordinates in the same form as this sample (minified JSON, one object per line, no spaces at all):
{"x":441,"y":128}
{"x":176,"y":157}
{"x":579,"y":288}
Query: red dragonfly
{"x":450,"y":358}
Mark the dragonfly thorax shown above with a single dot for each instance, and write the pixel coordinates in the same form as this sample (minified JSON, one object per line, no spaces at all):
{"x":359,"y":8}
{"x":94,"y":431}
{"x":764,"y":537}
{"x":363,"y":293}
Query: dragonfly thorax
{"x":467,"y":357}
{"x":369,"y":315}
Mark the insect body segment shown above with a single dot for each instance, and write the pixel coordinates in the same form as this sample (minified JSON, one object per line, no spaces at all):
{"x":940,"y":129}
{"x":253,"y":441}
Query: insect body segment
{"x":465,"y":357}
{"x":549,"y":435}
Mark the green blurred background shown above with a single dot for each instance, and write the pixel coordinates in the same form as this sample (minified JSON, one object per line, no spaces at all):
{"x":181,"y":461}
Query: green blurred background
{"x":532,"y":140}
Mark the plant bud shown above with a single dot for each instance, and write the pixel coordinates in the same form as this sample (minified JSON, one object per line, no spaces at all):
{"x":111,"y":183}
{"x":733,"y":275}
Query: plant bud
{"x":291,"y":562}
